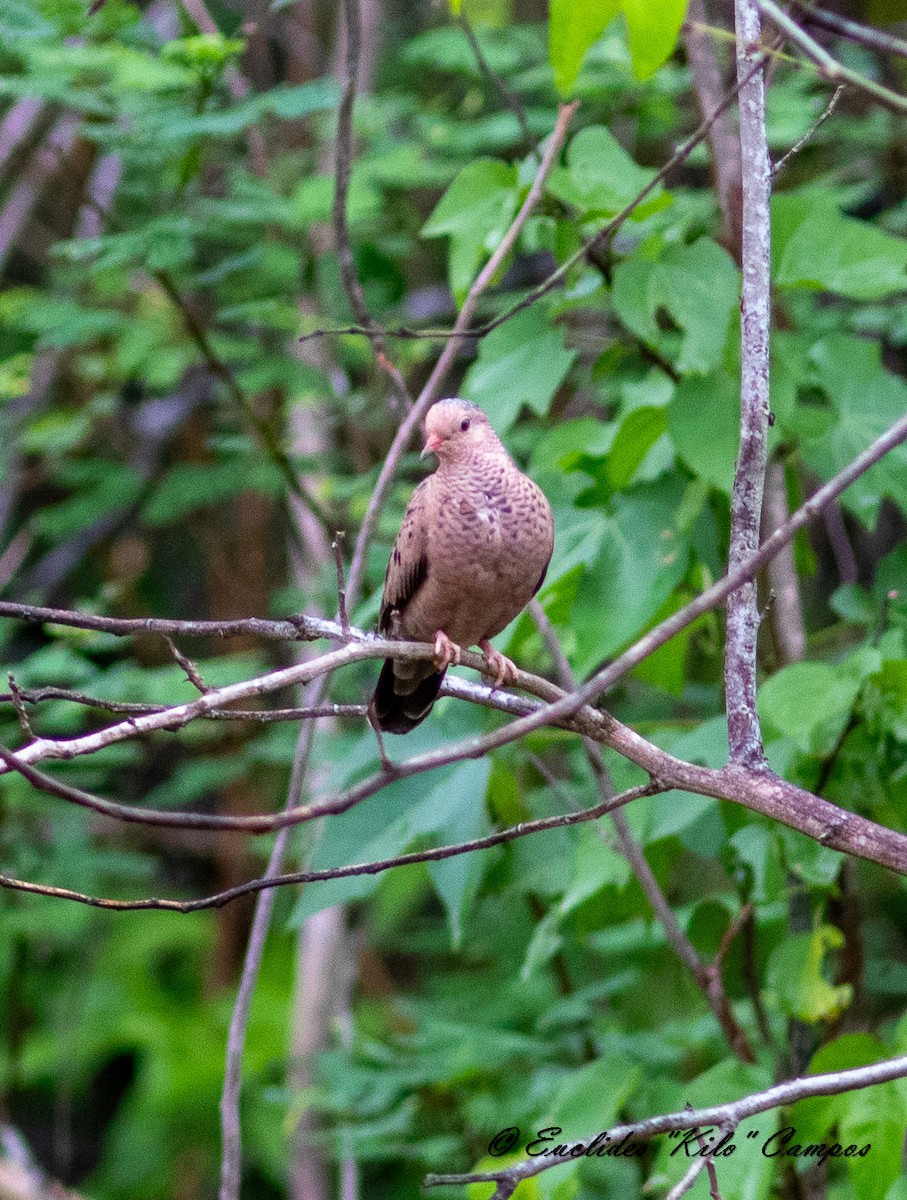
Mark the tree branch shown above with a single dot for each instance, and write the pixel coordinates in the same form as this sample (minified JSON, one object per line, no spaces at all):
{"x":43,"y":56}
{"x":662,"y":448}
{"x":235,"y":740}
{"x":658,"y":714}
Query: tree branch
{"x":830,"y":68}
{"x":744,"y":736}
{"x":270,"y":881}
{"x":343,"y":151}
{"x":707,"y":978}
{"x":726,"y":1116}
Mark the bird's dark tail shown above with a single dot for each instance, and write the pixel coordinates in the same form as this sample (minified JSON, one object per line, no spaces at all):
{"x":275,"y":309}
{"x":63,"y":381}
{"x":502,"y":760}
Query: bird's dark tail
{"x":396,"y":712}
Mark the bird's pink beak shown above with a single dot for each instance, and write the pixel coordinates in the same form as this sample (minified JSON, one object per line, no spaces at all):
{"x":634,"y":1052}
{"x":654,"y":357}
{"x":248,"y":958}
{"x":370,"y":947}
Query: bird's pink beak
{"x":432,"y":442}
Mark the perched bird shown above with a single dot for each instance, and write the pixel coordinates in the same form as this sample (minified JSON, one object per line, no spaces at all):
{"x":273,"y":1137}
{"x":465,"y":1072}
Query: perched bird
{"x":472,"y":551}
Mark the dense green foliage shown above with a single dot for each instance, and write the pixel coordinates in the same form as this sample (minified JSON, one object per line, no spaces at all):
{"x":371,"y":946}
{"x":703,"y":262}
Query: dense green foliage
{"x":528,"y":985}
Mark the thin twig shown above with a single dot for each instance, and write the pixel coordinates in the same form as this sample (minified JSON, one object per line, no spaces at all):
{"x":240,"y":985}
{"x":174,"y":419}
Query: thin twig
{"x":231,"y":1133}
{"x":16,"y":698}
{"x":461,"y":330}
{"x":863,"y":35}
{"x":726,"y":1116}
{"x":337,"y":547}
{"x":707,"y":978}
{"x":722,"y":137}
{"x":191,"y":670}
{"x":510,"y":98}
{"x":343,"y":151}
{"x":430,"y":391}
{"x":828,"y":67}
{"x":801,"y":142}
{"x":270,"y":881}
{"x":244,"y":405}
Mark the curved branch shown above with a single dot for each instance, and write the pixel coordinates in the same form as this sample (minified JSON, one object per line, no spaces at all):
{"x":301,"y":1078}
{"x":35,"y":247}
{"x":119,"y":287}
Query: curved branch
{"x":268,"y":881}
{"x":727,"y":1116}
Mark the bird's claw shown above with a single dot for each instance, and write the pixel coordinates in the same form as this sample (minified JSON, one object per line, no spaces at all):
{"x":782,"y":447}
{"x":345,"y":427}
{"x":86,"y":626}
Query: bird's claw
{"x":447,"y":653}
{"x":499,"y":665}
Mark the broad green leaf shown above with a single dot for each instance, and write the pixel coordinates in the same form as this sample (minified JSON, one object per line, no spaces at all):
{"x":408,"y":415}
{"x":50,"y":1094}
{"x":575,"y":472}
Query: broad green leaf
{"x":815,"y":246}
{"x":573,"y":29}
{"x":522,"y":362}
{"x":795,"y":977}
{"x":809,"y":702}
{"x":697,"y":285}
{"x":642,"y":558}
{"x":849,"y":371}
{"x":105,"y":488}
{"x":870,"y":1116}
{"x":653,"y":30}
{"x":475,"y":212}
{"x":600,"y":176}
{"x":190,"y":486}
{"x":704,"y":424}
{"x":744,"y":1174}
{"x":637,"y":435}
{"x":576,"y":26}
{"x":592,"y":1097}
{"x":457,"y":879}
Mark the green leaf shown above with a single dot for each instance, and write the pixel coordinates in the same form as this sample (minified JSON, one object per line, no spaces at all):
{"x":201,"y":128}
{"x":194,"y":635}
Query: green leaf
{"x":697,"y":285}
{"x":457,"y":879}
{"x":849,"y":370}
{"x":809,"y":702}
{"x":814,"y":246}
{"x":573,"y":29}
{"x":475,"y":212}
{"x":189,"y":486}
{"x":704,"y":424}
{"x":642,"y":558}
{"x":796,"y":980}
{"x":523,"y":361}
{"x":600,"y":176}
{"x":873,"y":1116}
{"x":576,"y":25}
{"x":637,"y":435}
{"x":743,"y":1175}
{"x":106,"y":488}
{"x":653,"y":30}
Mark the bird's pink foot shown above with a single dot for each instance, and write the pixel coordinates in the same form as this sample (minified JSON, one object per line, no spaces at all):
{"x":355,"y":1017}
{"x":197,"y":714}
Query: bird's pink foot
{"x":447,"y":653}
{"x":501,"y":667}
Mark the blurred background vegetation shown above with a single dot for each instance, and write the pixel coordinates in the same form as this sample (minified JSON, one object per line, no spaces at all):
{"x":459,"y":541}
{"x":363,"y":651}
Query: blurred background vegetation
{"x":165,"y":240}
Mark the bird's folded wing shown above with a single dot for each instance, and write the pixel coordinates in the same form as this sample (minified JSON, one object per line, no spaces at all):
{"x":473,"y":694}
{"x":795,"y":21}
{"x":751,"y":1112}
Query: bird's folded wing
{"x":408,"y":565}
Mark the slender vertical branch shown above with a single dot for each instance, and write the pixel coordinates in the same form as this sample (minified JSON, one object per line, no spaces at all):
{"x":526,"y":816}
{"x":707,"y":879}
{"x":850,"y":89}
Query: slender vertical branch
{"x":343,"y":151}
{"x":231,"y":1138}
{"x":787,"y":609}
{"x":722,"y":137}
{"x":744,"y":735}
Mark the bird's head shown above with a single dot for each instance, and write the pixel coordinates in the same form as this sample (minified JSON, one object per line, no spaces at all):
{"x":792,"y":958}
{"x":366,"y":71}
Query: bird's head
{"x":456,"y":427}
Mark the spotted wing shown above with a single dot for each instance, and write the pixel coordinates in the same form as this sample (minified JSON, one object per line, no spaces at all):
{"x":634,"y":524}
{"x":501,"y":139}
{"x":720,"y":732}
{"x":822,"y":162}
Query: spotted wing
{"x":408,"y":565}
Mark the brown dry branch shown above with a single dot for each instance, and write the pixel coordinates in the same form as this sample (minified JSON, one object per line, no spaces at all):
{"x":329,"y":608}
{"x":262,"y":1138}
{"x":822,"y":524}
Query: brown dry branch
{"x":343,"y":158}
{"x":722,"y":136}
{"x":724,"y":1116}
{"x":744,"y":735}
{"x":759,"y":789}
{"x":271,"y":881}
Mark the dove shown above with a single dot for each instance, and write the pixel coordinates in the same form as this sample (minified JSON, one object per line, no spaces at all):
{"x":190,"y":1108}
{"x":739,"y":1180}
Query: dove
{"x":472,"y":551}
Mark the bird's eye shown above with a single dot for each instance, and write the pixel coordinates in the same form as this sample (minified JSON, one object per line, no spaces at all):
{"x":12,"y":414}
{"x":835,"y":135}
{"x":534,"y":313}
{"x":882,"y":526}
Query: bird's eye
{"x":464,"y":424}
